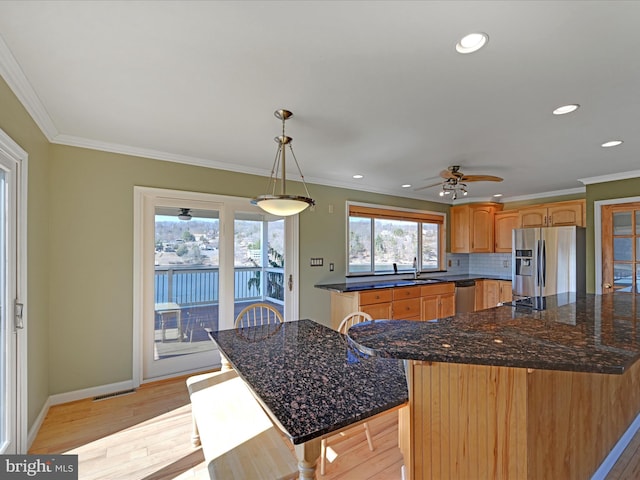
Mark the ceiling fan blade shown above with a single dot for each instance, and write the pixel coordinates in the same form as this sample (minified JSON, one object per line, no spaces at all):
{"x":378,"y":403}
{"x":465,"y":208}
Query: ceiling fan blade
{"x":448,"y":174}
{"x":480,"y":178}
{"x":427,"y":186}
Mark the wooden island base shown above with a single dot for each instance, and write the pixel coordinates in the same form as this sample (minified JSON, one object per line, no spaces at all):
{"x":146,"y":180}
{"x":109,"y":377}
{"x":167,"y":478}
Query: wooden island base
{"x":484,"y":422}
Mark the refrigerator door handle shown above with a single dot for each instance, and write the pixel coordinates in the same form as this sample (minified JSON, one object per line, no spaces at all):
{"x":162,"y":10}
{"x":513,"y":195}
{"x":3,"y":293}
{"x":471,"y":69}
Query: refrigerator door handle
{"x":538,"y":271}
{"x":544,"y":263}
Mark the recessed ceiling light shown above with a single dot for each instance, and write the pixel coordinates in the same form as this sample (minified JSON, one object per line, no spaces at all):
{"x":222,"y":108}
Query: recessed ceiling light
{"x":564,"y":109}
{"x":357,"y":175}
{"x":406,"y":185}
{"x":472,"y":42}
{"x":612,"y":143}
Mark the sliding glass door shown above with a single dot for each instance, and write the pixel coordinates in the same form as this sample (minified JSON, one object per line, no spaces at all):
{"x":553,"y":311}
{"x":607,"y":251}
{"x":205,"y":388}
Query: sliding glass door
{"x":202,"y":259}
{"x":258,"y":261}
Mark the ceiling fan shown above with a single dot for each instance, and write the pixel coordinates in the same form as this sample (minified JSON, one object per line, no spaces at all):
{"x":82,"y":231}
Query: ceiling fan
{"x":455,"y":181}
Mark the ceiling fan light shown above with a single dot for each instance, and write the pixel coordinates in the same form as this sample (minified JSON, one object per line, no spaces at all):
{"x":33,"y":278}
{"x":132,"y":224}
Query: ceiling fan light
{"x":185,"y":214}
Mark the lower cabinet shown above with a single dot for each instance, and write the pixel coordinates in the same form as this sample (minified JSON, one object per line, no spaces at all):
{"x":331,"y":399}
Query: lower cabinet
{"x":402,"y":303}
{"x":406,"y":303}
{"x":506,"y":292}
{"x":491,"y":293}
{"x":376,"y":303}
{"x":438,"y":301}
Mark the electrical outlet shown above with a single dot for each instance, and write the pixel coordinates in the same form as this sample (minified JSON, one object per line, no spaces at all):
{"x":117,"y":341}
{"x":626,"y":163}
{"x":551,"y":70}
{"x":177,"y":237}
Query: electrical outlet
{"x":505,"y":263}
{"x":449,"y":262}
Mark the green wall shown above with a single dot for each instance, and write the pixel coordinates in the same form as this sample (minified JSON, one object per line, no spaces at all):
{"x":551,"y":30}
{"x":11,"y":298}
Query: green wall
{"x":16,"y":122}
{"x":91,"y":261}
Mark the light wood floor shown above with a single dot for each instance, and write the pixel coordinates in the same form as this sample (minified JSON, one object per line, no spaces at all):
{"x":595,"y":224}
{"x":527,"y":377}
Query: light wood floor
{"x":146,"y":435}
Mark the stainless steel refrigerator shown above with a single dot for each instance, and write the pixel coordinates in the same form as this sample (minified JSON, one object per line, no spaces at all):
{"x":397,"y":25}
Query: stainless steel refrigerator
{"x":547,"y":261}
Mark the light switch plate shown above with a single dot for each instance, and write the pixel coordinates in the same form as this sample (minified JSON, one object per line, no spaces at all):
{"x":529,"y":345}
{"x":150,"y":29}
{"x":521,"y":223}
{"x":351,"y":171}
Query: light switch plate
{"x":317,"y":262}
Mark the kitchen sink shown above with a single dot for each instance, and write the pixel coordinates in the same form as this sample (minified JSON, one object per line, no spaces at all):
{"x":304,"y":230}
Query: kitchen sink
{"x":423,"y":281}
{"x":394,"y":283}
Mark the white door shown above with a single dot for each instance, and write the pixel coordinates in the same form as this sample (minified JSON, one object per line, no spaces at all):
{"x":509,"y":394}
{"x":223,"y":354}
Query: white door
{"x":200,"y":259}
{"x":12,"y":397}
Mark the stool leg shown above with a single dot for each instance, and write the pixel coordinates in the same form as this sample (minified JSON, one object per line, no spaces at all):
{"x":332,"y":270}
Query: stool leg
{"x":195,"y":434}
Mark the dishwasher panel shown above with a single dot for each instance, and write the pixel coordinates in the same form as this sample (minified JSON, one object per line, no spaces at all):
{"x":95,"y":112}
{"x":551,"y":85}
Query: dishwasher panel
{"x":465,"y":296}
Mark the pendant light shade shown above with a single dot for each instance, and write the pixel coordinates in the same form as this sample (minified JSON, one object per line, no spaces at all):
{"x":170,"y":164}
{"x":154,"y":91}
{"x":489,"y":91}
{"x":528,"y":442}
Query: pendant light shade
{"x":282,"y":204}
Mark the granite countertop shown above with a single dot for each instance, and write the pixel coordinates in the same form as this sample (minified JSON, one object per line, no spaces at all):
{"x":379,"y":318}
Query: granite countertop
{"x":310,"y":379}
{"x":595,"y":334}
{"x":395,"y":283}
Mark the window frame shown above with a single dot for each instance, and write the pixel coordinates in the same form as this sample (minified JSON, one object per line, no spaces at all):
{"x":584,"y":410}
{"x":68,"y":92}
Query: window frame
{"x":385,"y":212}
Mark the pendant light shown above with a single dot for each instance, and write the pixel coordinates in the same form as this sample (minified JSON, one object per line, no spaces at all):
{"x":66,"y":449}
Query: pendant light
{"x":282,"y":204}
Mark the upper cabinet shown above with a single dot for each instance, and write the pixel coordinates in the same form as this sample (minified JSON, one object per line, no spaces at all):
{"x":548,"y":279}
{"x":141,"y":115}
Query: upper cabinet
{"x":560,"y":214}
{"x":505,"y":222}
{"x":472,"y":229}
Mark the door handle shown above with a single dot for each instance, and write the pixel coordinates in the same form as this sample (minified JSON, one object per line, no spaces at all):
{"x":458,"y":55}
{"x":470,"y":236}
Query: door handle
{"x":18,"y":311}
{"x":607,"y":285}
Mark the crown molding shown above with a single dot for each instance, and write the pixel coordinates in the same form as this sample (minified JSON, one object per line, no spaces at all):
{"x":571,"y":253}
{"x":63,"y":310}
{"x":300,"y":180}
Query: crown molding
{"x":72,"y":141}
{"x":536,"y":196}
{"x":14,"y":76}
{"x":610,"y":178}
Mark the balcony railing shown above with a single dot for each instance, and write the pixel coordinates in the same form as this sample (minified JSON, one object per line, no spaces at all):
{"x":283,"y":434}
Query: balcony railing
{"x":194,"y":286}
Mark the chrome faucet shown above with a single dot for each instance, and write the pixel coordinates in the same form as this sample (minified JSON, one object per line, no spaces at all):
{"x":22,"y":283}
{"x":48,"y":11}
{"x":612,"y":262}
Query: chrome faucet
{"x":415,"y":268}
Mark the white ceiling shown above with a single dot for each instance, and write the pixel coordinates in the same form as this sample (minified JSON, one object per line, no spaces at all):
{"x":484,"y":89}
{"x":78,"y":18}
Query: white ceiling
{"x":376,"y":87}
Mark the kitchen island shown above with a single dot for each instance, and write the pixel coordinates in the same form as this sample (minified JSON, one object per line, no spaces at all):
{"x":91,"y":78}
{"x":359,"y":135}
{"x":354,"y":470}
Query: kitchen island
{"x":311,"y":381}
{"x":514,"y":392}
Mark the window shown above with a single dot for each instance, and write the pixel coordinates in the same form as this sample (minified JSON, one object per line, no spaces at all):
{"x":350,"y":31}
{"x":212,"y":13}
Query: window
{"x":379,"y":237}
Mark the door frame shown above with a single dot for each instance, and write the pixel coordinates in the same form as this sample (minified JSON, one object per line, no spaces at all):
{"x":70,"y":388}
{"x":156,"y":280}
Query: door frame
{"x":12,"y":152}
{"x":142,"y":196}
{"x":597,"y":226}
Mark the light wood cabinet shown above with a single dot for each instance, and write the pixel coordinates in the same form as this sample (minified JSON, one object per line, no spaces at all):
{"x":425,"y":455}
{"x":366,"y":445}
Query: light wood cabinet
{"x":479,"y":421}
{"x":505,"y":291}
{"x":490,"y":293}
{"x":438,"y":301}
{"x":472,"y":227}
{"x":558,"y":214}
{"x":406,"y":303}
{"x":376,"y":303}
{"x":504,"y":224}
{"x":424,"y":302}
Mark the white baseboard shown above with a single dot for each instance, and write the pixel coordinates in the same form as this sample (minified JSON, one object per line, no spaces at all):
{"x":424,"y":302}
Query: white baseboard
{"x":90,"y":392}
{"x":72,"y":397}
{"x":616,"y":451}
{"x":35,"y":428}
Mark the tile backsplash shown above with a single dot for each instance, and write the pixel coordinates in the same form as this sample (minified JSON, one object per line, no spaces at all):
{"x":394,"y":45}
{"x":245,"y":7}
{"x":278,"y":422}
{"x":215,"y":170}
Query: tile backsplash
{"x":483,"y":263}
